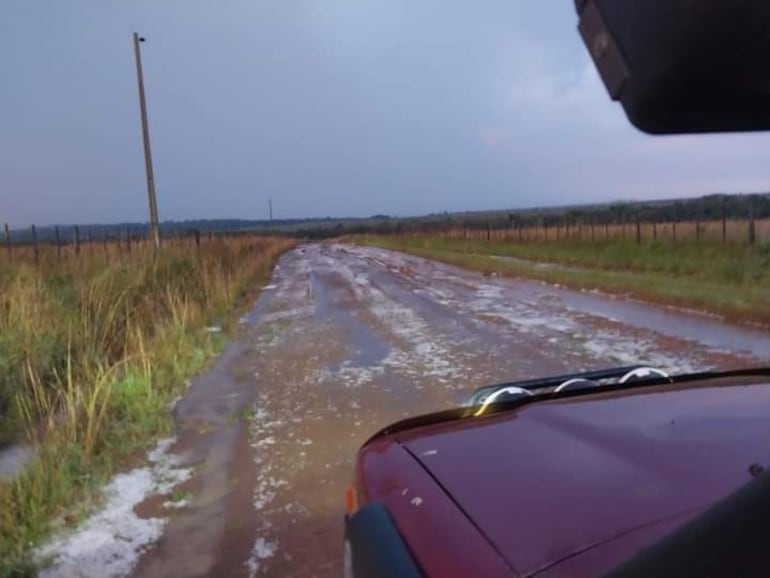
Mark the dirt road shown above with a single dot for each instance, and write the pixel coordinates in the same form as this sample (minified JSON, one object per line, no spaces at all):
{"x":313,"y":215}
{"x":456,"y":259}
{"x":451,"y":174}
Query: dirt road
{"x":344,"y":341}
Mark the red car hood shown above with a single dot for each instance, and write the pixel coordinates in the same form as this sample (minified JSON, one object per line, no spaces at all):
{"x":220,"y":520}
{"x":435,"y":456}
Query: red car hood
{"x":559,"y":479}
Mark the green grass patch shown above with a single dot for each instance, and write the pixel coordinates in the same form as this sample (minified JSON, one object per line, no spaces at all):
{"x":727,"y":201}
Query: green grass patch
{"x":242,"y":415}
{"x":180,"y":496}
{"x":731,"y":280}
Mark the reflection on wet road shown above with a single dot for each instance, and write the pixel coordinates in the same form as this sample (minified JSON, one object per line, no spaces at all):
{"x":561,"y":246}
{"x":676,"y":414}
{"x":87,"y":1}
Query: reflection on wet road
{"x":346,"y":340}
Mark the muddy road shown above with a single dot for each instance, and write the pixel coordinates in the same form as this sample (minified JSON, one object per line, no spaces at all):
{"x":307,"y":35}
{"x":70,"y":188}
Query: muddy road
{"x":346,"y":340}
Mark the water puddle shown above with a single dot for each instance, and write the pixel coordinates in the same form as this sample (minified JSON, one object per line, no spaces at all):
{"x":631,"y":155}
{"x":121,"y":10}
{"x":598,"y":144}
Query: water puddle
{"x":691,"y":327}
{"x":262,"y":306}
{"x":369,"y":349}
{"x":669,"y":321}
{"x":13,"y":460}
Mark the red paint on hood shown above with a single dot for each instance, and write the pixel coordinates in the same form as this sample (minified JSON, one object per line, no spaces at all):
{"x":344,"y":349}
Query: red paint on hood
{"x":559,"y":478}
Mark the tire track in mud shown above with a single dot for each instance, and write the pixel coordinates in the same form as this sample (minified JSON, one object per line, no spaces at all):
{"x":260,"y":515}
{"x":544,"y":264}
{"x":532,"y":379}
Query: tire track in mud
{"x":348,"y":339}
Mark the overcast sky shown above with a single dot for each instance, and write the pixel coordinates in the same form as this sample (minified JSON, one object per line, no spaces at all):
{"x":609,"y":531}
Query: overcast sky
{"x":330,"y":107}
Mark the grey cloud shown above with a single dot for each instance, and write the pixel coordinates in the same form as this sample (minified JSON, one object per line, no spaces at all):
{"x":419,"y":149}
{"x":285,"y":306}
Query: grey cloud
{"x":334,"y":107}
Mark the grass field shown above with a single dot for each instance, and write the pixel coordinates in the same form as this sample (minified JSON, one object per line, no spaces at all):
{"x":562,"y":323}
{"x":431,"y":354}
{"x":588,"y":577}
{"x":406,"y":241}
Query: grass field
{"x":727,"y":279}
{"x":91,"y":353}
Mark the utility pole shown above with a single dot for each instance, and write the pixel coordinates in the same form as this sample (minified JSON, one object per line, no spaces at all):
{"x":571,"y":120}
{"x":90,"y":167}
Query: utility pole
{"x":154,"y":229}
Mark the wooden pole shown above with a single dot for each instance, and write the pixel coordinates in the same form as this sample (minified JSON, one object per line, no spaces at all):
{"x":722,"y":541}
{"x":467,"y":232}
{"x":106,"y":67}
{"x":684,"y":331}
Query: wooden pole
{"x":151,"y":197}
{"x":77,"y":241}
{"x":752,"y":233}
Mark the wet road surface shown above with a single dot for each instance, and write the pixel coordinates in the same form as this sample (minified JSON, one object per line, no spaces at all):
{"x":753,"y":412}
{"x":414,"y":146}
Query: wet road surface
{"x":348,"y":339}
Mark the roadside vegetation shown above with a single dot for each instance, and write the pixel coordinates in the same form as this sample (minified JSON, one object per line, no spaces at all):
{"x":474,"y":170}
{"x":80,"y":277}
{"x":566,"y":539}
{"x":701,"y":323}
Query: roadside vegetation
{"x":729,"y":279}
{"x":92,"y":351}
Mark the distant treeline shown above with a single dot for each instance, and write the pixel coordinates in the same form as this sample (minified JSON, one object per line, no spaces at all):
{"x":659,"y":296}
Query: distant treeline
{"x":708,"y":208}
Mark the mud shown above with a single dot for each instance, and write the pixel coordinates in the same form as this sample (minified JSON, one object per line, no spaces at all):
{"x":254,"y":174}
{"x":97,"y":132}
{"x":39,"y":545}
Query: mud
{"x":349,"y":339}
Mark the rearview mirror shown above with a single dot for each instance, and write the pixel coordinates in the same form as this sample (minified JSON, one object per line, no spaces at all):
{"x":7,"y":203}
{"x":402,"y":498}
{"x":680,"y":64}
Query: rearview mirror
{"x":683,"y":66}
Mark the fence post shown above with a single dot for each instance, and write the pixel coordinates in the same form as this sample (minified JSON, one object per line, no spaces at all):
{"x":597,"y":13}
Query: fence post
{"x":638,"y":231}
{"x":654,"y":231}
{"x":34,"y":245}
{"x":697,"y":229}
{"x":752,"y":226}
{"x":8,"y":243}
{"x":77,"y":241}
{"x":197,"y":234}
{"x":128,"y":241}
{"x":489,"y":233}
{"x":90,"y":241}
{"x":593,"y":231}
{"x":724,"y":222}
{"x":58,"y":242}
{"x":673,"y":230}
{"x":104,"y":242}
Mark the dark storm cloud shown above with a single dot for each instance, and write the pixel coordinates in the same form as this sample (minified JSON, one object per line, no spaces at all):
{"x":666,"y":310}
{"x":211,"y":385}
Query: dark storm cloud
{"x":332,"y":107}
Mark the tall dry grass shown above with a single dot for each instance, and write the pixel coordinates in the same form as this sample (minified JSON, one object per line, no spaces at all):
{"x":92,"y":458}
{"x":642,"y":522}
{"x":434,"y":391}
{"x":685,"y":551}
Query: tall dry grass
{"x":91,"y":351}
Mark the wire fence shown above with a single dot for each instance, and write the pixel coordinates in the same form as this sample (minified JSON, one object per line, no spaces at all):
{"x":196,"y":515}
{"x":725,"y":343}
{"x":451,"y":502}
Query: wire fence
{"x":58,"y":245}
{"x":748,"y":231}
